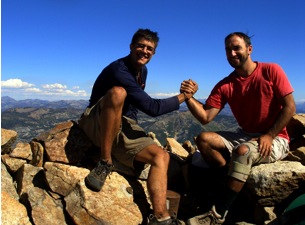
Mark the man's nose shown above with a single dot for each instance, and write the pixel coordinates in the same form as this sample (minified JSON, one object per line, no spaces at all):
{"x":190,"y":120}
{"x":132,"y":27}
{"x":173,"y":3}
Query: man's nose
{"x":231,"y":53}
{"x":144,"y":49}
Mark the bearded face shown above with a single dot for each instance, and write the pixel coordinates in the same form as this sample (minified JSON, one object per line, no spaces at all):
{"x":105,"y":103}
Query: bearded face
{"x":237,"y":51}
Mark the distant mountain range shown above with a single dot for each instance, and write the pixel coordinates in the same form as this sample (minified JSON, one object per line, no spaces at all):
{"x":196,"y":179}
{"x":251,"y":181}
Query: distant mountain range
{"x":9,"y":103}
{"x":32,"y":117}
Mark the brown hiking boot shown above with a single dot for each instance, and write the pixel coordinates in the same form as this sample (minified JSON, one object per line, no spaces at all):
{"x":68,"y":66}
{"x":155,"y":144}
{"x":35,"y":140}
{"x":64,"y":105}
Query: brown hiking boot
{"x":96,"y":178}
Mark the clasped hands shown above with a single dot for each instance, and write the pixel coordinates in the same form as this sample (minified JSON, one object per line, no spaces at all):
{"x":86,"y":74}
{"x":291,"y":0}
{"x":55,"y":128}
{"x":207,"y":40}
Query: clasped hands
{"x":188,"y":88}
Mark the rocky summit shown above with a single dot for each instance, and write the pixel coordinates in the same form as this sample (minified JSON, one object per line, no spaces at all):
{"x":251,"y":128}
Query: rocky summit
{"x":42,"y":182}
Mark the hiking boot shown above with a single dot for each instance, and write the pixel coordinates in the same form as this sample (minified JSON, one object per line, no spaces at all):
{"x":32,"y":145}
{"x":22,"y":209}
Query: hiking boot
{"x":209,"y":218}
{"x":96,"y":178}
{"x":171,"y":221}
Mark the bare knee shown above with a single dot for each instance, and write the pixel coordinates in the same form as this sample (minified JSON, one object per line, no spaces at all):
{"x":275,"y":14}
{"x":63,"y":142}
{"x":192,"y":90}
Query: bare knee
{"x":160,"y":158}
{"x":212,"y":148}
{"x":115,"y":97}
{"x":207,"y":136}
{"x":118,"y":93}
{"x":201,"y":138}
{"x":204,"y":140}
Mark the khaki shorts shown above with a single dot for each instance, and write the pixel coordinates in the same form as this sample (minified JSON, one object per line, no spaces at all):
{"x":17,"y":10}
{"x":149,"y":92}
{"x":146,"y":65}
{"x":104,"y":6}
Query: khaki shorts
{"x":130,"y":139}
{"x":280,"y":146}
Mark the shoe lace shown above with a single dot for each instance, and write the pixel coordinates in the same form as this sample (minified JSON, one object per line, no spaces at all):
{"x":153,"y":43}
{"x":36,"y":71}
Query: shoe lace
{"x":104,"y":169}
{"x":176,"y":222}
{"x":210,"y":217}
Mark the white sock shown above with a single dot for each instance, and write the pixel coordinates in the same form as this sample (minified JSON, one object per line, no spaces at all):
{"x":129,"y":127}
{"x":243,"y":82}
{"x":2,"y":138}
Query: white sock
{"x":163,"y":219}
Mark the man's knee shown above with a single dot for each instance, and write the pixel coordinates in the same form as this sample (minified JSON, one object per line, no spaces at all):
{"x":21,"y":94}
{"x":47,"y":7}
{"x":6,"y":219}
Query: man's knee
{"x":115,"y":97}
{"x":203,"y":138}
{"x":161,"y":157}
{"x":154,"y":155}
{"x":243,"y":157}
{"x":118,"y":93}
{"x":164,"y":155}
{"x":206,"y":141}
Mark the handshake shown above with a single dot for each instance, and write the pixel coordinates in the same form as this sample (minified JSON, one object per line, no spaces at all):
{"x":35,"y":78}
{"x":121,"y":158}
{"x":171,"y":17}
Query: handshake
{"x":188,"y":88}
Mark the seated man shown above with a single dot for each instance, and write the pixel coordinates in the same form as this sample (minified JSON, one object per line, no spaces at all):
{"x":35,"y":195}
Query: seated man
{"x":260,"y":97}
{"x":110,"y":121}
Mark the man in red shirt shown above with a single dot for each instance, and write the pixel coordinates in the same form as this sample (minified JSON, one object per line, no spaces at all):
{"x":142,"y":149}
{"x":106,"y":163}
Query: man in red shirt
{"x":260,"y":97}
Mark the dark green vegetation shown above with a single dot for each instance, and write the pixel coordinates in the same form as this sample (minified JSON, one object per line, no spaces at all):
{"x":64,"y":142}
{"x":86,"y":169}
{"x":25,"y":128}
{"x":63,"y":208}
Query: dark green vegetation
{"x":183,"y":126}
{"x":30,"y":122}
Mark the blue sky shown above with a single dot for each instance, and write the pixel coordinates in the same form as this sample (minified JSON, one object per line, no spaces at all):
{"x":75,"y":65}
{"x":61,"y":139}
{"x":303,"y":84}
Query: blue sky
{"x":55,"y":49}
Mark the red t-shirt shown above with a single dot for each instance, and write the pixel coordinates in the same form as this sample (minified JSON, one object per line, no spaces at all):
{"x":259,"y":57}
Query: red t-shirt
{"x":254,"y":100}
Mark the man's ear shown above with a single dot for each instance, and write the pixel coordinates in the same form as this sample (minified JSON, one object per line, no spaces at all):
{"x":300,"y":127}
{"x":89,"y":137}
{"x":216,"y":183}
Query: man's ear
{"x":131,"y":47}
{"x":250,"y":49}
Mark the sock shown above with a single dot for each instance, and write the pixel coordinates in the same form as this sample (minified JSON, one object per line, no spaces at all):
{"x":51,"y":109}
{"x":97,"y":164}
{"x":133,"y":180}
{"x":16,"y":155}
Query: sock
{"x":105,"y":162}
{"x":163,"y":219}
{"x":225,"y":200}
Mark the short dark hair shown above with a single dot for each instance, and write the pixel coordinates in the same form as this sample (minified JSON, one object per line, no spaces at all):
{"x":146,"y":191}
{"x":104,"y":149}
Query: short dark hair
{"x":147,"y":35}
{"x":242,"y":35}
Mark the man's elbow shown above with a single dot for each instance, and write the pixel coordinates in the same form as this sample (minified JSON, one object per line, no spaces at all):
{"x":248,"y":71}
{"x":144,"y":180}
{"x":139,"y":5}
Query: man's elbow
{"x":154,"y":113}
{"x":289,"y":105}
{"x":290,"y":110}
{"x":204,"y":120}
{"x":293,"y":109}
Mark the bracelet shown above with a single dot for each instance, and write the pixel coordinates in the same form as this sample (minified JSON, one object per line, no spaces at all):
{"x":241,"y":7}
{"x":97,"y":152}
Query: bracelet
{"x":185,"y":97}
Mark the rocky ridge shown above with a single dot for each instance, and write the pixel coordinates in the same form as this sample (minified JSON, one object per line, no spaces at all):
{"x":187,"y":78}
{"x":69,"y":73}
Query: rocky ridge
{"x":42,"y":182}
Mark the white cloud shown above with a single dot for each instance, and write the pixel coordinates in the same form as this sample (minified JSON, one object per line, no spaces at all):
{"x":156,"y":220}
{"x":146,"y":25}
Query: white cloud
{"x":54,"y":86}
{"x":163,"y":95}
{"x":33,"y":90}
{"x":15,"y":83}
{"x":65,"y":93}
{"x":56,"y":91}
{"x":82,"y":93}
{"x":300,"y":101}
{"x":19,"y":89}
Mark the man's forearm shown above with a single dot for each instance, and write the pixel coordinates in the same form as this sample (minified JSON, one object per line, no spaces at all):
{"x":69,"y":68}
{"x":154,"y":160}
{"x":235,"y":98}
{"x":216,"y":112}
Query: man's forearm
{"x":197,"y":110}
{"x":282,"y":120}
